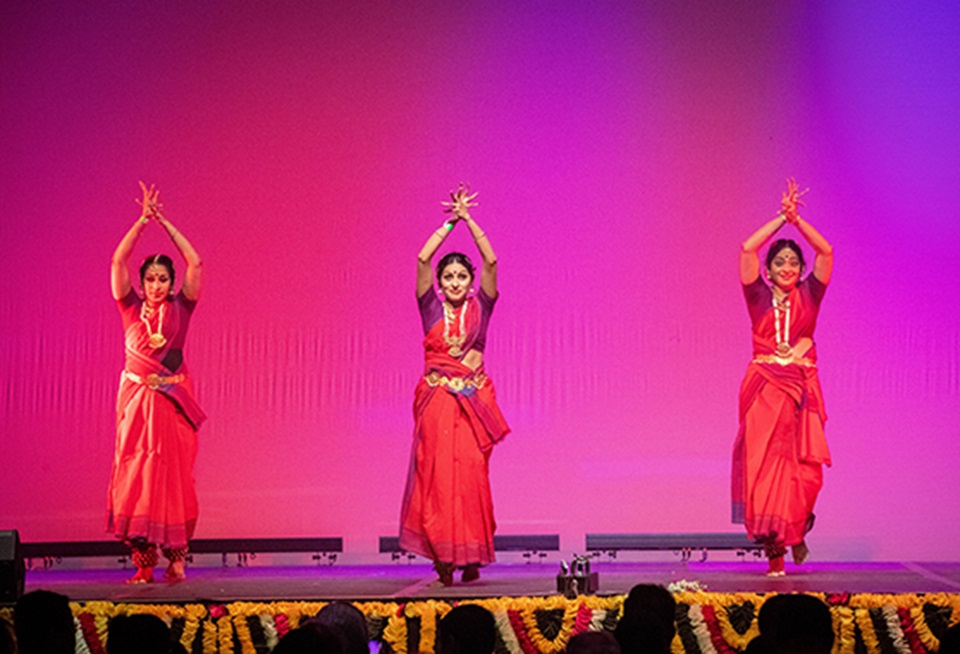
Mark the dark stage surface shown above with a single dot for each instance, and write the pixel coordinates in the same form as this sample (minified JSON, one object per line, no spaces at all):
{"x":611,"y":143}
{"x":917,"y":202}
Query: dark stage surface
{"x":415,"y":581}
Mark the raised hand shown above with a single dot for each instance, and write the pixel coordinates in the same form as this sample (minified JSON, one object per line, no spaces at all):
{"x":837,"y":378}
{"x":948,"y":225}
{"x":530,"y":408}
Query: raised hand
{"x":790,"y":201}
{"x":150,"y":203}
{"x":460,"y":202}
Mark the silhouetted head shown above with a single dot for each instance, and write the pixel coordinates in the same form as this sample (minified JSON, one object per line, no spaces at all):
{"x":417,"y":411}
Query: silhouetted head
{"x":138,"y":634}
{"x":593,"y":642}
{"x":347,"y":623}
{"x":43,"y":624}
{"x":647,"y":623}
{"x":467,"y":629}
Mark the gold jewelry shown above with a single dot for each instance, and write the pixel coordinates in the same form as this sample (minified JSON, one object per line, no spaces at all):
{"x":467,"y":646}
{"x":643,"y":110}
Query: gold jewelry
{"x":454,"y":341}
{"x":154,"y":381}
{"x":455,"y":384}
{"x":783,"y":344}
{"x":154,"y":339}
{"x":144,"y":220}
{"x":784,"y":361}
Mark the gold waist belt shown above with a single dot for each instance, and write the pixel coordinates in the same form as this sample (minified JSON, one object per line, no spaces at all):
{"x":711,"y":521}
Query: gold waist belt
{"x":154,"y":381}
{"x":784,"y":361}
{"x":455,"y":384}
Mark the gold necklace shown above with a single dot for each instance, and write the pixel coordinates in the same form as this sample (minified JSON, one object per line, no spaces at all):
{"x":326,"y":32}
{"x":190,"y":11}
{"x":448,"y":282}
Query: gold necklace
{"x":154,"y":339}
{"x":783,"y":344}
{"x":454,"y":341}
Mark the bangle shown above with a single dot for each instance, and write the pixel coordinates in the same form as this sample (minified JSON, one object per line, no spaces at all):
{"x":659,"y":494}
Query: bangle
{"x":448,"y":226}
{"x":144,"y":220}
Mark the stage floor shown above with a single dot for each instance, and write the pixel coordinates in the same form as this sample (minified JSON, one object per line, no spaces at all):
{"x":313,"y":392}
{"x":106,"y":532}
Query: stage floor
{"x":416,"y":581}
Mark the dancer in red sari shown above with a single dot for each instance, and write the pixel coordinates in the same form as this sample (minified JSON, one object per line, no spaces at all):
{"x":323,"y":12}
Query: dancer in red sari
{"x":152,"y":500}
{"x":781,"y":448}
{"x":447,"y":512}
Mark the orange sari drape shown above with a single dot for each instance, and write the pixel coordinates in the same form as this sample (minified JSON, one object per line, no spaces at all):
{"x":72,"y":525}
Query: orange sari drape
{"x":781,"y":446}
{"x":152,"y":494}
{"x":447,"y":512}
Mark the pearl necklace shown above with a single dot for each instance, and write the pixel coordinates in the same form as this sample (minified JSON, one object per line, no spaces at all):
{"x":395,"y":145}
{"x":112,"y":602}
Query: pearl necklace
{"x":783,"y":344}
{"x":454,"y":341}
{"x":154,"y":339}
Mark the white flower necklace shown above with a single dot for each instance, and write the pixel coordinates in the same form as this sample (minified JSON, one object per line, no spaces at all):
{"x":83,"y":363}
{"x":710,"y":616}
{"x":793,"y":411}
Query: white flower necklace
{"x":454,"y":341}
{"x":783,"y":344}
{"x":154,"y":339}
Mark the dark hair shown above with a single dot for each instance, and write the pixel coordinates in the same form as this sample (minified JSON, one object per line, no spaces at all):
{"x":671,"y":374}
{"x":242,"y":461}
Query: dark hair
{"x":647,"y":622}
{"x":467,"y":629}
{"x":782,"y":243}
{"x":312,"y":639}
{"x":347,"y":623}
{"x":140,"y":633}
{"x":160,"y":260}
{"x":593,"y":642}
{"x":6,"y":638}
{"x":796,"y":624}
{"x":950,"y":640}
{"x":455,"y":257}
{"x":43,"y":623}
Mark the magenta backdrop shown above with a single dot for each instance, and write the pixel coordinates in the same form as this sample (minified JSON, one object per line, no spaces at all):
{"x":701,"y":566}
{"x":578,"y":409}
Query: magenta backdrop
{"x":622,"y":152}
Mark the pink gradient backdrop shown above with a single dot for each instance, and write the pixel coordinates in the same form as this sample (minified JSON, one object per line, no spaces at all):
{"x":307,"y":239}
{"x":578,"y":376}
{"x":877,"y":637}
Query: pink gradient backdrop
{"x":622,"y":151}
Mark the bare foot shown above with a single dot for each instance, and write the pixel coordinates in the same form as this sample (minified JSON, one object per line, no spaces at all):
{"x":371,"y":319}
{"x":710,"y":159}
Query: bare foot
{"x":776,"y":567}
{"x":800,"y":552}
{"x":175,"y":571}
{"x":444,"y":572}
{"x":142,"y":576}
{"x":470,"y":573}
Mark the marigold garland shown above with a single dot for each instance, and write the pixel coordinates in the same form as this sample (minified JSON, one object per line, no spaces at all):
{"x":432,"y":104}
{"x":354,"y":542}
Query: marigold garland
{"x":700,"y":631}
{"x":845,"y":630}
{"x":528,"y":608}
{"x":716,"y":633}
{"x":523,"y":638}
{"x":79,"y":638}
{"x":242,"y":629}
{"x":269,"y":630}
{"x":505,"y":629}
{"x":395,"y":633}
{"x":872,"y":623}
{"x":735,"y":639}
{"x":867,"y":631}
{"x":913,"y":642}
{"x":193,"y":613}
{"x":90,"y":634}
{"x":209,"y":637}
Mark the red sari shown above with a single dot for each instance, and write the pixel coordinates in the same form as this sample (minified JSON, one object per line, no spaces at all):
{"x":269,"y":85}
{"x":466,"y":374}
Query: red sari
{"x":152,"y":495}
{"x":447,"y":512}
{"x":781,"y":447}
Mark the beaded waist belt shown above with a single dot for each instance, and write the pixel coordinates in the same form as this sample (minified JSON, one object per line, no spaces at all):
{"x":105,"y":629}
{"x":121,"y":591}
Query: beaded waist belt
{"x":784,"y":361}
{"x":455,"y":384}
{"x":154,"y":381}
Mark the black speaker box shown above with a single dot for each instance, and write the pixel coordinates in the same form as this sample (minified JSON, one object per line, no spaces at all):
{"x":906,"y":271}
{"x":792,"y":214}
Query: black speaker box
{"x":11,"y":567}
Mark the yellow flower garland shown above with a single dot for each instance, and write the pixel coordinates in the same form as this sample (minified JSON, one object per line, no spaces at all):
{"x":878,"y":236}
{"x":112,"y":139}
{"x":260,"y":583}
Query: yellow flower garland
{"x":395,"y":633}
{"x":845,"y":630}
{"x":528,"y":607}
{"x":210,"y":637}
{"x":732,"y":636}
{"x":867,"y":632}
{"x":217,"y":634}
{"x":193,"y":613}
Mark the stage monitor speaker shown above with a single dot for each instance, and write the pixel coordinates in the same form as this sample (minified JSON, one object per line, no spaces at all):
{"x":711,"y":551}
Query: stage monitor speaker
{"x":11,"y":567}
